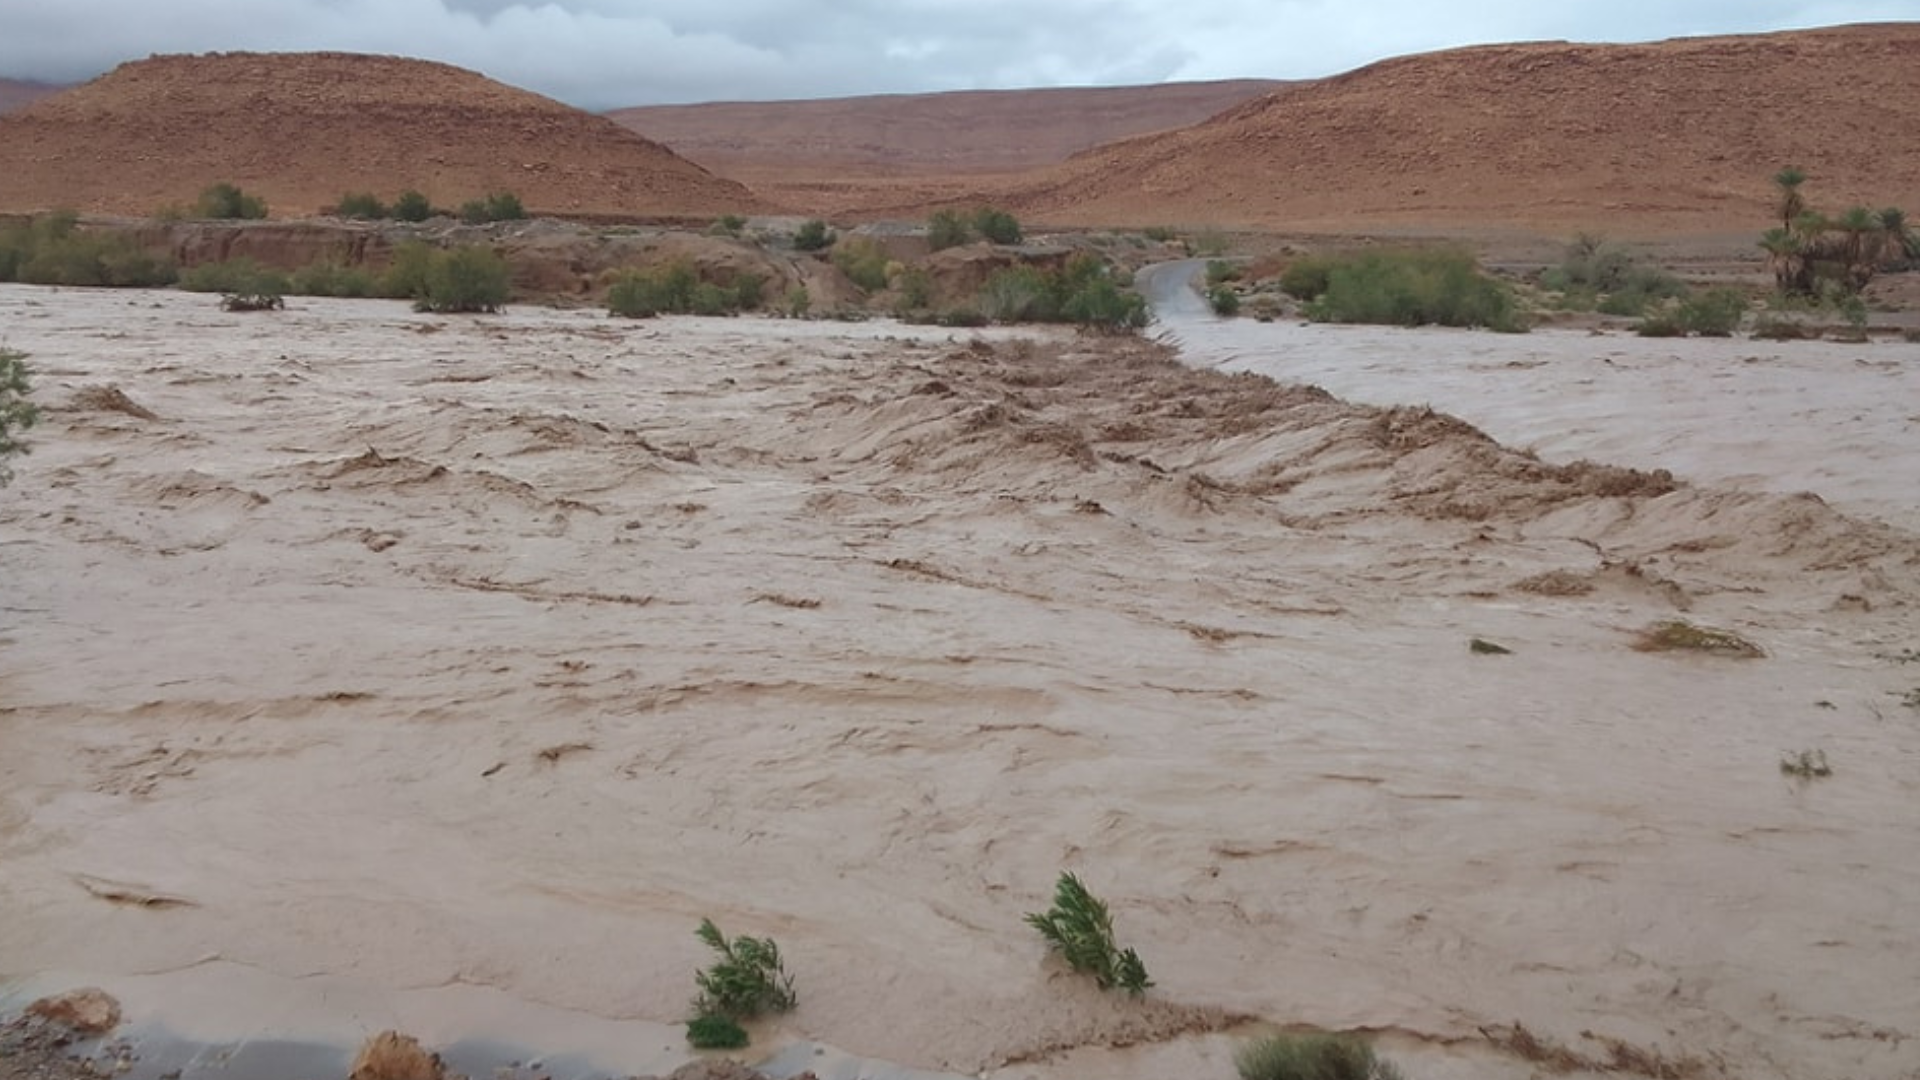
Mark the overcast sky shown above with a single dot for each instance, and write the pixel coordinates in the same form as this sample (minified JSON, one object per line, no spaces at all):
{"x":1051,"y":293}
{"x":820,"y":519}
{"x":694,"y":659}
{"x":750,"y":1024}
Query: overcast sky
{"x":600,"y":54}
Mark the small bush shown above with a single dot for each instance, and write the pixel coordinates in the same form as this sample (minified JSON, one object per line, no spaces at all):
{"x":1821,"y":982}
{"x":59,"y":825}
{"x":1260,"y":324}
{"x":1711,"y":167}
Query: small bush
{"x":716,"y":1033}
{"x":947,"y":229}
{"x":412,"y":206}
{"x":916,"y":289}
{"x":676,"y":289}
{"x":17,"y":414}
{"x":1312,"y":1057}
{"x":1713,"y":313}
{"x":52,"y":249}
{"x":465,"y":279}
{"x":813,"y":236}
{"x":224,"y":201}
{"x":996,"y":225}
{"x":406,"y":275}
{"x":1223,"y":300}
{"x":363,"y":205}
{"x":728,"y":225}
{"x":863,"y":261}
{"x":497,"y":206}
{"x":747,"y":980}
{"x":1220,"y":271}
{"x":798,"y":303}
{"x":1080,"y":929}
{"x":1101,"y":305}
{"x":1307,"y":279}
{"x":1415,"y":288}
{"x":1160,"y":234}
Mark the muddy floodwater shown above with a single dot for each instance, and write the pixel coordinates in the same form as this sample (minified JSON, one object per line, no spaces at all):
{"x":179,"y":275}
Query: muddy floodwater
{"x":362,"y":668}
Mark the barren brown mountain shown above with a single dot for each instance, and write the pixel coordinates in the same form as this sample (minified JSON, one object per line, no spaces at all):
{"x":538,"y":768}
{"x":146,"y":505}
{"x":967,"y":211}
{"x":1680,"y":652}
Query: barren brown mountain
{"x":1681,"y":134}
{"x":807,"y":152}
{"x":15,"y":93}
{"x":300,"y":129}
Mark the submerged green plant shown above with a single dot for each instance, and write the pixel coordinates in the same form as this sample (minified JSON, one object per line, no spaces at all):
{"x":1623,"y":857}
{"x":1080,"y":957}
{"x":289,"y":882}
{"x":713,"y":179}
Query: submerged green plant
{"x":1080,"y":928}
{"x":716,"y":1033}
{"x":1312,"y":1057}
{"x":748,"y":979}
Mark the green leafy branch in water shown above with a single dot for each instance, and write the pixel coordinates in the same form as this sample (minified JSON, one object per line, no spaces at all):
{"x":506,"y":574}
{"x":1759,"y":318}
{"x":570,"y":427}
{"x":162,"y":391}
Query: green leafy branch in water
{"x":1080,"y":928}
{"x":748,"y":979}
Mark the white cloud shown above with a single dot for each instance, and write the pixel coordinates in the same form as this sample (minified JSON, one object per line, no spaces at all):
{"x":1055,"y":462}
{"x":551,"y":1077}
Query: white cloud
{"x":604,"y":53}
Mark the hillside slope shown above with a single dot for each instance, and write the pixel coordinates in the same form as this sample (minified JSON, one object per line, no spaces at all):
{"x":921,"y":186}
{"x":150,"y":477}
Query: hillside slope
{"x":302,"y":128}
{"x":1679,"y":134}
{"x":899,"y":134}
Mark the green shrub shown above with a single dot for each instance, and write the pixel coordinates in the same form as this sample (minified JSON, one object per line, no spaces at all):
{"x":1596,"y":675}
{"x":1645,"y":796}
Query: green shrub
{"x":1160,"y":234}
{"x":1101,"y":305}
{"x":1223,"y":300}
{"x":1312,"y":1057}
{"x":747,"y":979}
{"x":53,"y":250}
{"x":17,"y":414}
{"x":728,"y":225}
{"x":497,"y":206}
{"x":1419,"y":287}
{"x":1713,"y":313}
{"x":961,"y":317}
{"x":226,"y":202}
{"x":916,"y":289}
{"x":947,"y":229}
{"x":996,"y":225}
{"x":716,"y":1033}
{"x":798,"y":303}
{"x":1307,"y":279}
{"x":749,"y":291}
{"x":465,"y":279}
{"x":676,"y":289}
{"x":1080,"y":929}
{"x":1220,"y":271}
{"x":361,"y":204}
{"x":863,"y":261}
{"x":412,"y":206}
{"x":813,"y":236}
{"x":406,"y":276}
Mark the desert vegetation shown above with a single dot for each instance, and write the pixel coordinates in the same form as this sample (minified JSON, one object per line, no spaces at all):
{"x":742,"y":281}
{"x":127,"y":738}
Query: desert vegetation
{"x":17,"y":414}
{"x":226,"y":202}
{"x":1412,"y":287}
{"x":677,"y":289}
{"x":951,"y":228}
{"x":746,"y":979}
{"x":1810,"y":251}
{"x":1312,"y":1057}
{"x":53,"y":249}
{"x":1084,"y":291}
{"x":1080,"y":928}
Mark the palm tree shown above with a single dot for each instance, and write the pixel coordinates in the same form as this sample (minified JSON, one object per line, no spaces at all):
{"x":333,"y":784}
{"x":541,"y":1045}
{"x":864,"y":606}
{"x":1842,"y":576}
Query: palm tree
{"x":1792,"y":203}
{"x":1899,"y":245}
{"x":1862,"y":229}
{"x":1785,"y":256}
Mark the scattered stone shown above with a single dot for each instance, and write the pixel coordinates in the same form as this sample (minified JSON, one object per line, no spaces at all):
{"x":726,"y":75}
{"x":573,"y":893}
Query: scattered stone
{"x":89,"y":1011}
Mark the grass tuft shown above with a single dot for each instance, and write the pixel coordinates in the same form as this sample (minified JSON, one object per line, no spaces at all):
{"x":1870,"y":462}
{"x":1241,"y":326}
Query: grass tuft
{"x":1312,"y":1057}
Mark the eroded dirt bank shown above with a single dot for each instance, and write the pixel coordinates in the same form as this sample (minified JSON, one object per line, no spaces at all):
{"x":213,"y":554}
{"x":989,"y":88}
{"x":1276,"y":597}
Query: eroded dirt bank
{"x":493,"y":653}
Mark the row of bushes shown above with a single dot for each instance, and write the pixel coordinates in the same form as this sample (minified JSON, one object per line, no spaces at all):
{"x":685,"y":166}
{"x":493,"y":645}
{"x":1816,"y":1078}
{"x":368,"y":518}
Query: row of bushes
{"x":1418,"y":287}
{"x":950,"y":228}
{"x":54,"y":250}
{"x":677,"y":289}
{"x":469,"y":278}
{"x":414,"y":206}
{"x":1083,"y":291}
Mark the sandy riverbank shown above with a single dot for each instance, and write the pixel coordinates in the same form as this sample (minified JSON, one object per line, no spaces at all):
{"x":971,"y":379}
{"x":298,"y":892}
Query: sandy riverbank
{"x":437,"y":655}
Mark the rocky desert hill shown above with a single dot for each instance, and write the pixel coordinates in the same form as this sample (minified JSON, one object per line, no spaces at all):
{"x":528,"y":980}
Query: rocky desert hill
{"x":15,"y":93}
{"x":301,"y":129}
{"x":1681,"y":134}
{"x":804,"y":151}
